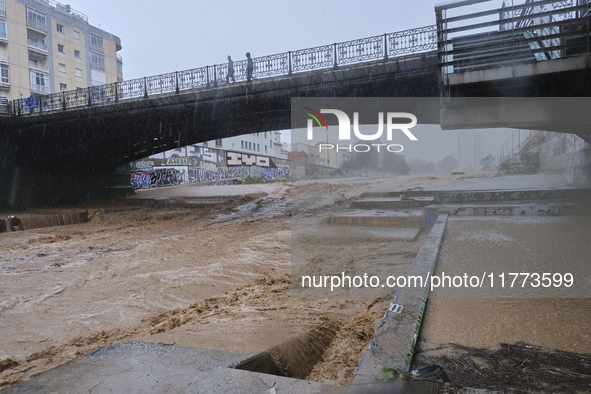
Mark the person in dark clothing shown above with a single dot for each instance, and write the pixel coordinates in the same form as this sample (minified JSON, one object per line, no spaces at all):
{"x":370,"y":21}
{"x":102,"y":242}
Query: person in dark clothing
{"x":230,"y":70}
{"x":249,"y":67}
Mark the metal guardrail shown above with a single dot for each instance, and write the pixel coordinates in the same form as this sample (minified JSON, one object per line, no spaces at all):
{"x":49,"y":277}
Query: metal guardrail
{"x":4,"y":105}
{"x":36,"y":26}
{"x":38,"y":67}
{"x":40,"y":46}
{"x":519,"y":32}
{"x":374,"y":48}
{"x":64,"y":9}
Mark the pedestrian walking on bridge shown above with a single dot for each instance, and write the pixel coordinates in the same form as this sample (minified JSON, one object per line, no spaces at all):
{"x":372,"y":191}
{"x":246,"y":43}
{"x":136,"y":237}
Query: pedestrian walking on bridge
{"x":230,"y":70}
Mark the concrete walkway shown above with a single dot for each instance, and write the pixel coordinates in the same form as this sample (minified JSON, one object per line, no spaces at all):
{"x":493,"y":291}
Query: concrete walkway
{"x":139,"y":367}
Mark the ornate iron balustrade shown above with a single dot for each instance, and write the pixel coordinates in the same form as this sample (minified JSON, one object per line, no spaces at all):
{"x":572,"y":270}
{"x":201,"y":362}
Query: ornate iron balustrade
{"x":313,"y":58}
{"x":361,"y":50}
{"x":414,"y":40}
{"x":285,"y":64}
{"x":193,"y":79}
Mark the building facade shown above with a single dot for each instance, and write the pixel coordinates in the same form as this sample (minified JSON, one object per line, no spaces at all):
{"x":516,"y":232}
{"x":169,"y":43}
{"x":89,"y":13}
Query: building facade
{"x":48,"y":47}
{"x":266,"y":144}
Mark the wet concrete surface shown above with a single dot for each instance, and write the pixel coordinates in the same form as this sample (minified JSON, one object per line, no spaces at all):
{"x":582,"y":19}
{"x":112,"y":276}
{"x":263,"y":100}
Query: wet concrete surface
{"x":139,"y":367}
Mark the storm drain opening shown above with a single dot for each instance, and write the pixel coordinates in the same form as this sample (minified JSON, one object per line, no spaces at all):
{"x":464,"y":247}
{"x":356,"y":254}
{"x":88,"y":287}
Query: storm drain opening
{"x":296,"y":357}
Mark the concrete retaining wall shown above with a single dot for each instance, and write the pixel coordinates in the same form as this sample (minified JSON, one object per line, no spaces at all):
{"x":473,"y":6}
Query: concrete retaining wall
{"x":568,"y":154}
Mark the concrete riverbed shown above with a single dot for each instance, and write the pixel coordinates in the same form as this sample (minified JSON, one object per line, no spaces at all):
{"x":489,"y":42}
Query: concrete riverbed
{"x":209,"y":268}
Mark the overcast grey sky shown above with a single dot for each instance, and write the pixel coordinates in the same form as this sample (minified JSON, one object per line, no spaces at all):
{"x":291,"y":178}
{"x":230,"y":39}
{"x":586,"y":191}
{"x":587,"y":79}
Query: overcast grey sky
{"x":173,"y":35}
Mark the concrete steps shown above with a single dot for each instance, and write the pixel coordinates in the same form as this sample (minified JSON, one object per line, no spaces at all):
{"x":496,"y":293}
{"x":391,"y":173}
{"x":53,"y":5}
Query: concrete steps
{"x":460,"y":197}
{"x":539,"y":208}
{"x":351,"y":235}
{"x":379,"y":218}
{"x":392,"y":203}
{"x":384,"y":209}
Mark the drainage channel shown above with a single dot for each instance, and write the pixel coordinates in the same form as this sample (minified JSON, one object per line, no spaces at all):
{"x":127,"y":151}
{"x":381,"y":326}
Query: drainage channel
{"x":296,"y":357}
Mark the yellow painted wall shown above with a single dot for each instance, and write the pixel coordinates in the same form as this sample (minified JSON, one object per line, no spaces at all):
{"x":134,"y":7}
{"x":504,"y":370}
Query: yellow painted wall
{"x":16,"y":52}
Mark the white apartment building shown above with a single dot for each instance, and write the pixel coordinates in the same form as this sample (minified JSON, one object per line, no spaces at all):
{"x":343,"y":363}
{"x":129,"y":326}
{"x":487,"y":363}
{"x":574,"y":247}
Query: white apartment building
{"x":267,"y":143}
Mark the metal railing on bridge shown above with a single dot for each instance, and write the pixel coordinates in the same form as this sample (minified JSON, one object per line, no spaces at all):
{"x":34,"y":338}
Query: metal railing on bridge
{"x":377,"y":48}
{"x":520,"y":32}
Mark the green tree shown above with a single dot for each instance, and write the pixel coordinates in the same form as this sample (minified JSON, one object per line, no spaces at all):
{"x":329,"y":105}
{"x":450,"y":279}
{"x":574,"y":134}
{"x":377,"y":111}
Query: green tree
{"x":447,"y":164}
{"x":488,"y":163}
{"x":368,"y":160}
{"x":350,"y":165}
{"x":396,"y":163}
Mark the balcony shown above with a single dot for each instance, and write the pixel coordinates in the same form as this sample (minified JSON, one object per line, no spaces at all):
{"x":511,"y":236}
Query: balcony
{"x":36,"y":26}
{"x":119,"y":67}
{"x":40,"y":88}
{"x":38,"y":67}
{"x":97,"y":66}
{"x":64,"y":9}
{"x":97,"y":49}
{"x":37,"y":46}
{"x":5,"y":83}
{"x":3,"y":13}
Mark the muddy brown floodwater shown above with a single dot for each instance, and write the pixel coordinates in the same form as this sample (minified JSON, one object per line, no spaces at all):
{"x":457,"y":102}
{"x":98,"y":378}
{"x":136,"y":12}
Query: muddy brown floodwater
{"x":194,"y":266}
{"x":210,"y":267}
{"x":510,"y":340}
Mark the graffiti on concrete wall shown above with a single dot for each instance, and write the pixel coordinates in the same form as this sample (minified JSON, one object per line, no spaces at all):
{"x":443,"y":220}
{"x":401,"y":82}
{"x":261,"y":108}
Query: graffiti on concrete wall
{"x":243,"y":159}
{"x":179,"y":161}
{"x":169,"y":176}
{"x":144,"y":165}
{"x":199,"y":175}
{"x":207,"y":166}
{"x":141,"y":180}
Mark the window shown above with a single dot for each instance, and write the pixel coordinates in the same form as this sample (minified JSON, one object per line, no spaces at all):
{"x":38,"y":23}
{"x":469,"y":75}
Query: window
{"x":60,"y":28}
{"x":218,"y":143}
{"x":2,"y":29}
{"x":76,"y":54}
{"x":259,"y":147}
{"x":242,"y":144}
{"x":36,"y":16}
{"x":119,"y":68}
{"x":265,"y":148}
{"x":4,"y":73}
{"x":39,"y":82}
{"x":98,"y":77}
{"x":62,"y":68}
{"x":76,"y":34}
{"x":98,"y":59}
{"x":250,"y":145}
{"x":63,"y":87}
{"x":96,"y":41}
{"x":79,"y":73}
{"x":61,"y":48}
{"x":3,"y":7}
